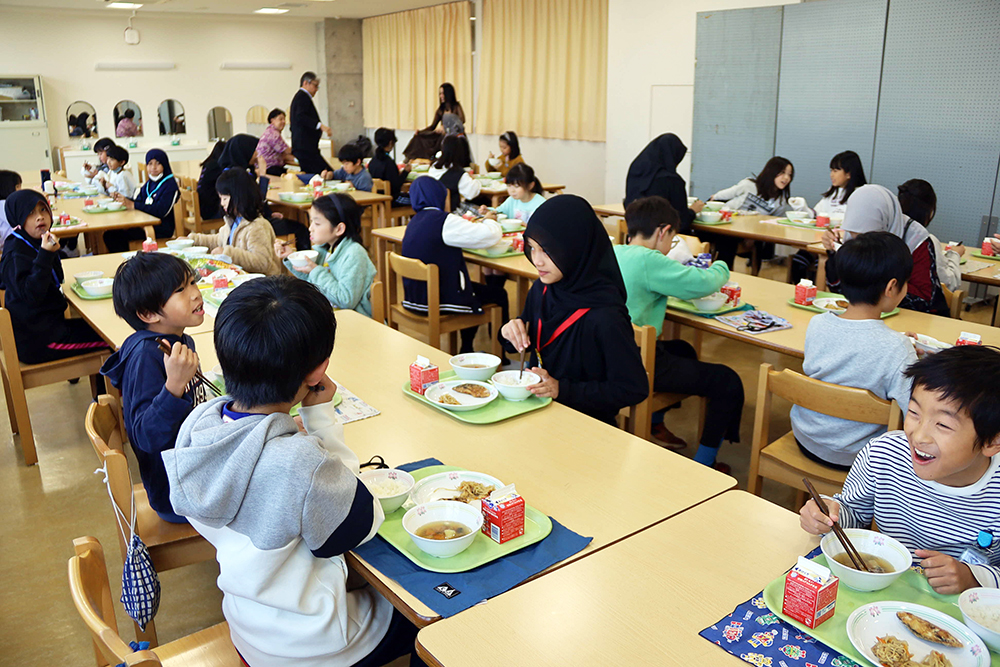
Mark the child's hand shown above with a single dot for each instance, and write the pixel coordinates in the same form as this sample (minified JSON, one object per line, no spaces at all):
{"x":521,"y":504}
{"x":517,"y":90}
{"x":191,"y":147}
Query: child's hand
{"x":483,"y":210}
{"x":697,"y":206}
{"x":961,"y":249}
{"x":995,"y":242}
{"x":831,"y":237}
{"x":49,"y":242}
{"x":320,"y":393}
{"x":517,"y":334}
{"x":298,"y":422}
{"x":309,"y":266}
{"x":945,"y":574}
{"x":547,"y":388}
{"x":815,"y":522}
{"x":282,"y":249}
{"x":217,"y":250}
{"x":181,"y":365}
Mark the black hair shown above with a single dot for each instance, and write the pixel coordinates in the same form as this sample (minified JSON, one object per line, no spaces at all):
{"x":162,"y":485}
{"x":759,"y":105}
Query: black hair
{"x":450,"y":101}
{"x":271,"y":333}
{"x":967,"y":375}
{"x":850,"y":163}
{"x":103,"y":144}
{"x":215,"y":154}
{"x":765,"y":180}
{"x":454,"y":153}
{"x":510,"y":138}
{"x":868,"y":262}
{"x":918,"y":200}
{"x":338,"y":208}
{"x":118,"y":153}
{"x":646,"y":215}
{"x":129,"y":113}
{"x":350,"y":153}
{"x":243,"y":191}
{"x":523,"y":175}
{"x":9,"y":180}
{"x":307,"y":77}
{"x":274,"y":114}
{"x":383,"y":137}
{"x":144,"y":284}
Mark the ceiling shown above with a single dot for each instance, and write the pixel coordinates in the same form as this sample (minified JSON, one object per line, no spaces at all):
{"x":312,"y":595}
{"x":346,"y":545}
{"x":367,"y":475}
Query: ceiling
{"x":296,"y":8}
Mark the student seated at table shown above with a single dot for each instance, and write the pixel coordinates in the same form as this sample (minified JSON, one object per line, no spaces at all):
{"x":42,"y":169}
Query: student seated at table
{"x":435,"y":236}
{"x":510,"y":154}
{"x":246,"y":237}
{"x":857,"y":349}
{"x":654,"y":173}
{"x":272,"y":148}
{"x":384,"y":168}
{"x":935,"y":485}
{"x":117,"y":179}
{"x":208,"y":198}
{"x":31,"y":274}
{"x":524,"y":195}
{"x":352,"y":168}
{"x":10,"y":182}
{"x":918,"y":201}
{"x":450,"y":168}
{"x":575,"y":324}
{"x":650,"y":278}
{"x":343,"y":272}
{"x":156,"y":197}
{"x":158,"y":295}
{"x":89,"y":171}
{"x":280,"y":506}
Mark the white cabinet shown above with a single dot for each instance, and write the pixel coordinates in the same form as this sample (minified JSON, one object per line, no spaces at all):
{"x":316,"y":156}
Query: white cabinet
{"x":24,"y":132}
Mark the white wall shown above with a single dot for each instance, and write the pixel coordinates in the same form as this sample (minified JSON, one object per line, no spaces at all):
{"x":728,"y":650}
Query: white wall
{"x":651,"y":76}
{"x":63,"y":47}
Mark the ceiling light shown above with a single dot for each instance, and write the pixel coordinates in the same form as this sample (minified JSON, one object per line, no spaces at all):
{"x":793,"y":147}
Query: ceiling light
{"x":269,"y":10}
{"x":123,"y":5}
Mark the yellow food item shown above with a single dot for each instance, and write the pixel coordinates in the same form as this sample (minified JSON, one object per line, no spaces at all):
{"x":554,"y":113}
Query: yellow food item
{"x":448,"y":399}
{"x":473,"y":491}
{"x":926,"y":630}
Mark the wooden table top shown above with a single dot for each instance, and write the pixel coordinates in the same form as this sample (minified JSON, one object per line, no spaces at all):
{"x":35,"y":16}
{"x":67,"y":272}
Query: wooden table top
{"x":288,"y":185}
{"x":517,"y":265}
{"x":586,"y":474}
{"x":99,"y":222}
{"x":642,"y":601}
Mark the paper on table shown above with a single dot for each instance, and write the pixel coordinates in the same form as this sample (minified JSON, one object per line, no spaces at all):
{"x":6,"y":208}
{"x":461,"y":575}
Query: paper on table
{"x":352,"y":408}
{"x":973,"y":265}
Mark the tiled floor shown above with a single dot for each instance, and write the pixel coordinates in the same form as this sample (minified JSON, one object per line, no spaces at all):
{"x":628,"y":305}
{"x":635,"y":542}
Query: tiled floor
{"x":46,"y":506}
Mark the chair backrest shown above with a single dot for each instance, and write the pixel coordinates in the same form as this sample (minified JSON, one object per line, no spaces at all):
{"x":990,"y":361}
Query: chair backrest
{"x":641,"y":414}
{"x":180,"y":215}
{"x":141,"y":168}
{"x":105,"y":433}
{"x":8,"y":348}
{"x":378,"y":301}
{"x":399,"y":267}
{"x":381,"y":186}
{"x":696,"y":245}
{"x":616,"y":228}
{"x":955,"y":301}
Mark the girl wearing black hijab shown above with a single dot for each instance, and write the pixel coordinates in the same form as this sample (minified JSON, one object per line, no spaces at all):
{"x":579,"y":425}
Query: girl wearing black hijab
{"x":30,"y":272}
{"x":575,"y":324}
{"x":654,"y":172}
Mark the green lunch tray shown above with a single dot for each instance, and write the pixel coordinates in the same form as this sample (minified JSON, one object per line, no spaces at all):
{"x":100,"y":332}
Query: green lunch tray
{"x":801,"y":225}
{"x":82,"y":293}
{"x":980,"y":255}
{"x":491,"y":413}
{"x":338,"y":398}
{"x":831,"y":295}
{"x":712,"y":224}
{"x":483,"y":253}
{"x":104,"y":210}
{"x":483,"y":550}
{"x":688,"y":307}
{"x":910,"y":587}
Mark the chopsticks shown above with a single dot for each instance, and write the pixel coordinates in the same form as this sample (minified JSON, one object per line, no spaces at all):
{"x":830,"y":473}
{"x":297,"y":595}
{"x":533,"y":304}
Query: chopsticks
{"x":521,"y":374}
{"x":852,"y":552}
{"x":165,"y":346}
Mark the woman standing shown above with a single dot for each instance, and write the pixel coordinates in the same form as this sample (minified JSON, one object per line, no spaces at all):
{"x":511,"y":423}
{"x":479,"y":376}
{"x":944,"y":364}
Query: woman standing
{"x":654,"y":173}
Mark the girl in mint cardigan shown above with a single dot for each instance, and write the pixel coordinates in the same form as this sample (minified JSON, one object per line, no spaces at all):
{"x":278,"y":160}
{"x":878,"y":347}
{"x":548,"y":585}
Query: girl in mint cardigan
{"x":343,"y":272}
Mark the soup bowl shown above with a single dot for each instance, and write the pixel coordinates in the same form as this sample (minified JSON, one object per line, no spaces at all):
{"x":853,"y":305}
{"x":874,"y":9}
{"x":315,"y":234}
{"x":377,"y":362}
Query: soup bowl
{"x":710,"y":303}
{"x":867,"y":542}
{"x":709,"y":216}
{"x":180,"y":244}
{"x":474,"y":365}
{"x":714,"y":205}
{"x":443,"y":510}
{"x":511,"y":388}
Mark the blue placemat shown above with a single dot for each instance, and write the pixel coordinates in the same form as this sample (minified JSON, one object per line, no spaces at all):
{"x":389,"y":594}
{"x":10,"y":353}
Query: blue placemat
{"x":755,"y":635}
{"x":448,"y":594}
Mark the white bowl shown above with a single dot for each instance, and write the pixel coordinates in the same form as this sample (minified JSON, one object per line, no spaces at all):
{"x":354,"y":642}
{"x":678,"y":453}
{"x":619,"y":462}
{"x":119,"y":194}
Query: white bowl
{"x":297,"y":197}
{"x":500,"y":248}
{"x":511,"y":225}
{"x":494,"y":174}
{"x":709,"y":216}
{"x":420,"y":168}
{"x":443,"y":510}
{"x":341,"y":187}
{"x":98,"y":287}
{"x":114,"y":206}
{"x":799,"y":215}
{"x":867,"y":542}
{"x":460,"y":363}
{"x":301,"y":258}
{"x":710,"y":303}
{"x":389,"y":503}
{"x":246,"y":277}
{"x":927,"y":345}
{"x":195,"y":250}
{"x":512,"y":391}
{"x":973,"y":602}
{"x":714,"y":205}
{"x":180,"y":244}
{"x":87,"y":275}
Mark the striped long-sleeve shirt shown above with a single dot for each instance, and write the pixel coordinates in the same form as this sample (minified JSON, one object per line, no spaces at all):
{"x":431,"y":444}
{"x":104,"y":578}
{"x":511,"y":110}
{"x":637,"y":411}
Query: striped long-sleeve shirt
{"x":922,"y":514}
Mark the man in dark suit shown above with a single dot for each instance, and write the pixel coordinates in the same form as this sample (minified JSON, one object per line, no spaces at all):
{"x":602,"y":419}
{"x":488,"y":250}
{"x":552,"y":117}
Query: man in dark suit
{"x":307,"y":127}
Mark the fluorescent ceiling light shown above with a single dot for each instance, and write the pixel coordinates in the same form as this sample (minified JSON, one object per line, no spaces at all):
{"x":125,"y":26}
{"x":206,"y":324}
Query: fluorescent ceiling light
{"x":269,"y":10}
{"x":123,"y":5}
{"x":256,"y":65}
{"x":132,"y":65}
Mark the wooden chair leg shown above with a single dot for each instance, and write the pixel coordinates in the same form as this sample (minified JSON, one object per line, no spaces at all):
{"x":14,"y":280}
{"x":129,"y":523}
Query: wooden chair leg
{"x":453,"y":347}
{"x":94,"y":393}
{"x":147,"y":635}
{"x":24,"y":422}
{"x":495,"y":324}
{"x":11,"y":413}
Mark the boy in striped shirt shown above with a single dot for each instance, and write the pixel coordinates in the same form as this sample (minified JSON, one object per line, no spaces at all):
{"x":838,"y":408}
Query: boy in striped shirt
{"x":935,"y":485}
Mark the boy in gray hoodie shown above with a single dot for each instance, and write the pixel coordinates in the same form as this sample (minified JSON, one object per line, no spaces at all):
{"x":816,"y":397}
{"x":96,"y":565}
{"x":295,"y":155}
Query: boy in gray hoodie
{"x":280,"y":506}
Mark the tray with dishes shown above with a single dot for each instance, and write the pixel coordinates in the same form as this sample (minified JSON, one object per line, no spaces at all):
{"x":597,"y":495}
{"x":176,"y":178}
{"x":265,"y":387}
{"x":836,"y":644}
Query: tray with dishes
{"x":110,"y":207}
{"x":99,"y":289}
{"x":510,"y":252}
{"x":980,"y":255}
{"x":690,"y":307}
{"x":72,"y":222}
{"x":828,"y":302}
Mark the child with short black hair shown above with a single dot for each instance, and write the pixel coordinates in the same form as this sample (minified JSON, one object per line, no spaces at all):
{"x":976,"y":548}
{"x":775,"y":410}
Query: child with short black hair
{"x":117,"y":179}
{"x":384,"y":167}
{"x":451,"y":169}
{"x":158,"y":295}
{"x":524,"y":195}
{"x":352,"y":168}
{"x":857,"y":349}
{"x":935,"y":485}
{"x":90,"y":171}
{"x":278,"y":504}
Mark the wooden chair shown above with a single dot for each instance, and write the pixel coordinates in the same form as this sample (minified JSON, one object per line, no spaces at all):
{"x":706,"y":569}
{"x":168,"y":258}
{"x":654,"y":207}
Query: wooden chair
{"x":396,"y":216}
{"x":434,"y":323}
{"x":19,"y":377}
{"x":378,"y":301}
{"x":782,"y":460}
{"x":91,"y":592}
{"x":191,"y":209}
{"x":170,"y":545}
{"x":695,"y":244}
{"x":955,"y":302}
{"x":141,"y":168}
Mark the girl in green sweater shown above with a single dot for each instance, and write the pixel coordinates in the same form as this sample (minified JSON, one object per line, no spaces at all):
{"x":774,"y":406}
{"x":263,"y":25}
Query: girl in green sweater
{"x":343,"y":272}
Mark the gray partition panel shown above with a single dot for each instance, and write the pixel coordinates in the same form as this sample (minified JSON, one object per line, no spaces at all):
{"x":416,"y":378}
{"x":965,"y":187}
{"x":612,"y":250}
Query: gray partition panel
{"x":939,"y":111}
{"x":735,"y":96}
{"x":831,"y":62}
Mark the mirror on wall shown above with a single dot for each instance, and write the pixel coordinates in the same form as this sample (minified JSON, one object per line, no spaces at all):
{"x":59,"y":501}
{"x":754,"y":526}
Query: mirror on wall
{"x":81,"y":120}
{"x":257,"y":120}
{"x":128,"y":119}
{"x":170,"y":116}
{"x":220,"y":124}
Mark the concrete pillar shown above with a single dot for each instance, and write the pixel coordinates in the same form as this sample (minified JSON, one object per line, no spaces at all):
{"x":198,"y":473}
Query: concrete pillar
{"x":342,"y":39}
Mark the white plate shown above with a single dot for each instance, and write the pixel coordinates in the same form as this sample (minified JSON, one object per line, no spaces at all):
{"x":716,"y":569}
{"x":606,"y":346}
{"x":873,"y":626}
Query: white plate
{"x":467,"y":402}
{"x":878,"y":619}
{"x":819,"y":303}
{"x":444,"y":485}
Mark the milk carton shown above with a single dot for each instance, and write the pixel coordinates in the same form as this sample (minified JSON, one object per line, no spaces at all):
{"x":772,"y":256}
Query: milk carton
{"x":503,"y":514}
{"x":987,"y":247}
{"x":149,"y":245}
{"x":966,"y":338}
{"x":805,"y":292}
{"x":810,"y":593}
{"x":422,"y":374}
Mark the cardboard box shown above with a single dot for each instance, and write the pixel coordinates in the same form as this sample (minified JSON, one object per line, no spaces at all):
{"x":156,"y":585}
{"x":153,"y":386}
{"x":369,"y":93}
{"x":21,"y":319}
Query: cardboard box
{"x":422,"y":374}
{"x":503,"y":515}
{"x":810,"y":593}
{"x":966,"y":338}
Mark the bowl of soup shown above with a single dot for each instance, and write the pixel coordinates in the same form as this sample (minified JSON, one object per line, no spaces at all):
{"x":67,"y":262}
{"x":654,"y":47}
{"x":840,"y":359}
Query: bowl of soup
{"x":474,"y":365}
{"x":709,"y":216}
{"x":884,"y":555}
{"x":513,"y":385}
{"x":799,"y":216}
{"x":443,"y":528}
{"x":714,"y":205}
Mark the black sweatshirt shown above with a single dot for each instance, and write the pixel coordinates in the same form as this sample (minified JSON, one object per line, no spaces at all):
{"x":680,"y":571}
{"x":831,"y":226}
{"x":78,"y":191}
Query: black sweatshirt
{"x":31,"y":277}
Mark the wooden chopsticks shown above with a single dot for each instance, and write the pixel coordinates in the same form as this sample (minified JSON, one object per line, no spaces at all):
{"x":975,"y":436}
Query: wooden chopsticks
{"x":165,"y":346}
{"x":852,"y":553}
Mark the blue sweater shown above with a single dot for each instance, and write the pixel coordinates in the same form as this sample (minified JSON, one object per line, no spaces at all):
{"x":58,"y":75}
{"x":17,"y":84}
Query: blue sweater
{"x":153,"y":415}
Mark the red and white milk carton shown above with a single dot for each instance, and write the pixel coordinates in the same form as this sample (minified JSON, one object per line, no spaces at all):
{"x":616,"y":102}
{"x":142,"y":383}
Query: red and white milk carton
{"x":966,"y":338}
{"x":822,"y":220}
{"x":316,"y":183}
{"x":733,"y":292}
{"x":810,"y":593}
{"x":805,"y":292}
{"x":987,"y":247}
{"x":503,"y":515}
{"x":422,"y":374}
{"x":221,"y":282}
{"x":149,"y":245}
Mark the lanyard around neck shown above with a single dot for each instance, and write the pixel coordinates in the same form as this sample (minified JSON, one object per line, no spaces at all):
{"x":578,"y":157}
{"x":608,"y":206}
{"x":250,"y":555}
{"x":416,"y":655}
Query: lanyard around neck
{"x":232,"y":230}
{"x":149,"y":195}
{"x":55,"y":275}
{"x":570,"y":321}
